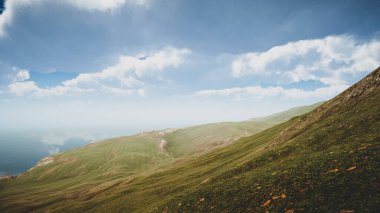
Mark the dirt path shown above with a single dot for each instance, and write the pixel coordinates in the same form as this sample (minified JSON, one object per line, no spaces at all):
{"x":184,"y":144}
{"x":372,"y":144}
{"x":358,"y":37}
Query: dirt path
{"x":162,"y":148}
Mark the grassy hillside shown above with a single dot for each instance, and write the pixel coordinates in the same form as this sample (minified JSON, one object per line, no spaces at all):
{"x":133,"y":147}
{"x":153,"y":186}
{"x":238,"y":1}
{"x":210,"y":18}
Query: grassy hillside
{"x":85,"y":172}
{"x":324,"y":161}
{"x":203,"y":138}
{"x":200,"y":139}
{"x":286,"y":115}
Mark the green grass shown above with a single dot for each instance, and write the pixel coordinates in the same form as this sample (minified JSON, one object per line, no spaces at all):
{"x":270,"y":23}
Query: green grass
{"x":327,"y":163}
{"x":200,"y":139}
{"x":331,"y":166}
{"x":203,"y":138}
{"x":286,"y":115}
{"x":310,"y":169}
{"x":324,"y":161}
{"x":85,"y":172}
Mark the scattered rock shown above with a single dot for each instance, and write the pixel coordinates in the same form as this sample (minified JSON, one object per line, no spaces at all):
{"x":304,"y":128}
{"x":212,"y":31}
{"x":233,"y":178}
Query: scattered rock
{"x":334,"y":170}
{"x":166,"y":131}
{"x":282,"y":196}
{"x":266,"y":203}
{"x":205,"y":181}
{"x":347,"y":211}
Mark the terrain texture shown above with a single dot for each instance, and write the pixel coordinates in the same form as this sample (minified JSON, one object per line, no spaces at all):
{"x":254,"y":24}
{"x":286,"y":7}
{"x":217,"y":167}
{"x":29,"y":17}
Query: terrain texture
{"x":326,"y":160}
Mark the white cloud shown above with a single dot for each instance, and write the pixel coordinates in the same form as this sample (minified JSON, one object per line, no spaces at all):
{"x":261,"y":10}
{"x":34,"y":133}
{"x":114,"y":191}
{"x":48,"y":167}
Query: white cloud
{"x":23,"y":88}
{"x":102,"y":5}
{"x":326,"y":60}
{"x":265,"y":92}
{"x":22,"y":75}
{"x":11,"y":7}
{"x":140,"y":66}
{"x":333,"y":61}
{"x":7,"y":16}
{"x":10,"y":74}
{"x":120,"y":79}
{"x":30,"y":88}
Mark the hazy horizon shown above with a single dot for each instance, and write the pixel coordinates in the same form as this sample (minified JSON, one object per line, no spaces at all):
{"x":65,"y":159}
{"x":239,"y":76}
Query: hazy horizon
{"x":115,"y":64}
{"x":88,"y":70}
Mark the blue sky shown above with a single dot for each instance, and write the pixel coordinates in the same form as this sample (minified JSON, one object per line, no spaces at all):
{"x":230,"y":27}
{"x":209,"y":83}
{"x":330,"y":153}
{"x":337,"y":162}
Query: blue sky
{"x":145,"y":64}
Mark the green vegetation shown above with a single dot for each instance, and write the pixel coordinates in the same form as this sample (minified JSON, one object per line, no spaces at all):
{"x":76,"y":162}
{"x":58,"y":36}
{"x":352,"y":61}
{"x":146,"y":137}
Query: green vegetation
{"x":323,"y":161}
{"x":285,"y":116}
{"x":85,"y":172}
{"x":203,"y":138}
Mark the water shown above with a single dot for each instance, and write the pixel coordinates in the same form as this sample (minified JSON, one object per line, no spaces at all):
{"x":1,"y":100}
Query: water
{"x":21,"y":150}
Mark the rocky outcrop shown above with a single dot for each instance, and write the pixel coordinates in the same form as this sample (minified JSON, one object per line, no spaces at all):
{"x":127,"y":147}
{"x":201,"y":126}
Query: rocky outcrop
{"x":42,"y":162}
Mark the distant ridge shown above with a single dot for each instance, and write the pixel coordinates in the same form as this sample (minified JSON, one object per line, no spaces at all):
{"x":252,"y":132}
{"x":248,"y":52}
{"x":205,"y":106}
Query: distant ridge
{"x":286,"y":115}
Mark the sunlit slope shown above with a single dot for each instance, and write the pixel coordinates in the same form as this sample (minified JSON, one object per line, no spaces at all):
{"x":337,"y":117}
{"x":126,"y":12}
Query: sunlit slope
{"x":286,"y":115}
{"x":324,"y":161}
{"x":115,"y":157}
{"x":124,"y":156}
{"x":85,"y":172}
{"x":203,"y":138}
{"x":199,"y":139}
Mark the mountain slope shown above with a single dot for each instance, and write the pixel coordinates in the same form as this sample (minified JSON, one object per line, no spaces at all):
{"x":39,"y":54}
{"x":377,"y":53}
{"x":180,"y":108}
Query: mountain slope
{"x":85,"y":172}
{"x":324,"y":161}
{"x":203,"y":138}
{"x":284,"y":116}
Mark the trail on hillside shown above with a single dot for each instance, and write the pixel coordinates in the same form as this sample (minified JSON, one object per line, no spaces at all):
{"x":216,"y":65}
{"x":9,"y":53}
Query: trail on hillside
{"x":162,"y":148}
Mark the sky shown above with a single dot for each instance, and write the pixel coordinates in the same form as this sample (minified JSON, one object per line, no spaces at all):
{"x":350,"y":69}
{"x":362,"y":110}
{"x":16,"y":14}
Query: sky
{"x":137,"y":65}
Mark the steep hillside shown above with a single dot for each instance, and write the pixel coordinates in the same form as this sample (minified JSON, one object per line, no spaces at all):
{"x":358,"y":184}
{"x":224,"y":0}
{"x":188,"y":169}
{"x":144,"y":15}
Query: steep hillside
{"x":203,"y":138}
{"x":284,"y":116}
{"x":324,"y":161}
{"x":85,"y":172}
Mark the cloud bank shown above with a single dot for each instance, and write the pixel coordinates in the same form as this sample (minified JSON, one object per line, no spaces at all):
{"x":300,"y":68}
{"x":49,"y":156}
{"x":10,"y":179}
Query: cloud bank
{"x":265,"y":92}
{"x":326,"y":60}
{"x":11,"y":7}
{"x":102,"y":5}
{"x":124,"y":78}
{"x":329,"y":61}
